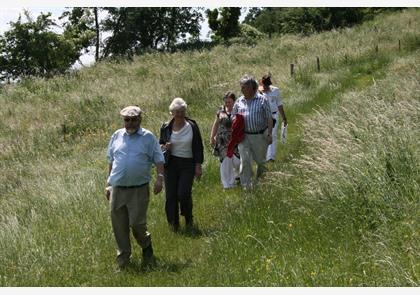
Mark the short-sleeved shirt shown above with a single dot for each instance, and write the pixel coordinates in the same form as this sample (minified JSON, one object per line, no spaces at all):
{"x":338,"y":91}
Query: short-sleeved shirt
{"x":132,"y":157}
{"x":274,"y":98}
{"x":255,"y":111}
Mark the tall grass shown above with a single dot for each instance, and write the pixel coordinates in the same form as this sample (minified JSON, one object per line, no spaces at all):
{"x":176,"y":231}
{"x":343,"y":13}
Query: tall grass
{"x":363,"y":170}
{"x":335,"y":210}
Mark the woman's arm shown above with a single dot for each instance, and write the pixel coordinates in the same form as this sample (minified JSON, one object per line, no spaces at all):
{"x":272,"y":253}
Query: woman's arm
{"x":214,"y":131}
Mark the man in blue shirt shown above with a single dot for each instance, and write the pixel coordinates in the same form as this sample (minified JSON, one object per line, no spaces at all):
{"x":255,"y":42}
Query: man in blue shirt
{"x":256,"y":111}
{"x":131,"y":152}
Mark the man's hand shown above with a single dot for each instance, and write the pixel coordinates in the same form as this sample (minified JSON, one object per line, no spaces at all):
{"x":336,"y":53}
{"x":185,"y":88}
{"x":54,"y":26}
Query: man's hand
{"x":108,"y":190}
{"x":158,"y":185}
{"x":269,"y":138}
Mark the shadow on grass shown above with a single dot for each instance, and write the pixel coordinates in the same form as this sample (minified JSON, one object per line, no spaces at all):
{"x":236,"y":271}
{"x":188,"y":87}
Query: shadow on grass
{"x":157,"y":265}
{"x":193,"y":232}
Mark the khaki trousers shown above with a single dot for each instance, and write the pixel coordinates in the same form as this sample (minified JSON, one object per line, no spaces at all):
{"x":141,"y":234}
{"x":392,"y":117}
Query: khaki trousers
{"x":129,"y":209}
{"x":253,"y":147}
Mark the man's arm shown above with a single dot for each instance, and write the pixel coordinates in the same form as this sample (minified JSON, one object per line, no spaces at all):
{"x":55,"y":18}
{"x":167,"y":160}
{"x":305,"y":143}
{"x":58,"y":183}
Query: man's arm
{"x":159,"y":178}
{"x":270,"y":130}
{"x":214,"y":131}
{"x":283,"y":115}
{"x":107,"y":186}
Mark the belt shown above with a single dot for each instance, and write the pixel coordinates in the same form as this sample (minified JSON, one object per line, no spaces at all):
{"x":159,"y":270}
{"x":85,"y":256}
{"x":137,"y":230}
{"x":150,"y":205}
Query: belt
{"x":131,"y":186}
{"x":257,"y":132}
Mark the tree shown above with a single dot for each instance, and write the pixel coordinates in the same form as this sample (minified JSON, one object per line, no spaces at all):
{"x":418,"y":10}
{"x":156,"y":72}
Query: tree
{"x":227,"y":25}
{"x":98,"y":41}
{"x":32,"y":48}
{"x":307,"y":20}
{"x":181,"y":22}
{"x":82,"y":27}
{"x":138,"y":29}
{"x":252,"y":14}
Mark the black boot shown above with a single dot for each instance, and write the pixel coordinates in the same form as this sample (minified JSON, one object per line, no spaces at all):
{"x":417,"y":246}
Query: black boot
{"x":148,"y":257}
{"x":189,"y":225}
{"x":174,"y":227}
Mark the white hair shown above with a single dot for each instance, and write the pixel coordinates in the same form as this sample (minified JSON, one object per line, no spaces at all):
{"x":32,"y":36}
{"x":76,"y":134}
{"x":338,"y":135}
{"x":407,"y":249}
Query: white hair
{"x":177,"y":103}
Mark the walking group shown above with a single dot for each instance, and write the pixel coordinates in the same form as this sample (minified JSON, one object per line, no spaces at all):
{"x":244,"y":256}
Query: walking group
{"x":244,"y":131}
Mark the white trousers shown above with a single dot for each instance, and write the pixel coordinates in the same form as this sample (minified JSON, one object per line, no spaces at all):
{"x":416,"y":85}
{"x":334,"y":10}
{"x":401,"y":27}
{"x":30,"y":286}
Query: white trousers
{"x":229,"y":170}
{"x":272,"y":148}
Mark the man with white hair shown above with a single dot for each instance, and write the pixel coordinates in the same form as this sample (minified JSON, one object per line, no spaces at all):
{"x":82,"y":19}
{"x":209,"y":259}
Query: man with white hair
{"x":256,"y":112}
{"x":131,"y":152}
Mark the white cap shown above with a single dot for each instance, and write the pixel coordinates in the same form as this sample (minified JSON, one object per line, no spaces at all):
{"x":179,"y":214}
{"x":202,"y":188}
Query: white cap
{"x":130,"y":111}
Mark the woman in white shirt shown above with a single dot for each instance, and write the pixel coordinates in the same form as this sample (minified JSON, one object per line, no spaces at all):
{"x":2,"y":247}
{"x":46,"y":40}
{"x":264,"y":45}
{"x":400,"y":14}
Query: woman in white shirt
{"x":181,"y":142}
{"x":272,"y":93}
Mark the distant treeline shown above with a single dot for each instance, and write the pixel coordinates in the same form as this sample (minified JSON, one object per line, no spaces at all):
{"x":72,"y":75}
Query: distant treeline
{"x":308,"y":20}
{"x":34,"y":47}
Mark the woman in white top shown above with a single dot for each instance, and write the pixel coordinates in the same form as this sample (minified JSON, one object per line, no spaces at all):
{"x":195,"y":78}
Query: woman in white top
{"x":276,"y":104}
{"x":181,"y":142}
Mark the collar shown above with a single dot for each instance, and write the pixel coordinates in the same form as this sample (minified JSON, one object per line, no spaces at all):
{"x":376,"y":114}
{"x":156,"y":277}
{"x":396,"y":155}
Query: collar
{"x":139,"y":131}
{"x":255,"y":97}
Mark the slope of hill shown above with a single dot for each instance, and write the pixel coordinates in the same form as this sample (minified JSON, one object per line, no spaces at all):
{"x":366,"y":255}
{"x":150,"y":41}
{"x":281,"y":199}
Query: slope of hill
{"x":338,"y":208}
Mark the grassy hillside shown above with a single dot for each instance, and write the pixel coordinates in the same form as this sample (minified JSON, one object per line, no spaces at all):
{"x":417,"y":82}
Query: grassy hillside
{"x":339,"y":207}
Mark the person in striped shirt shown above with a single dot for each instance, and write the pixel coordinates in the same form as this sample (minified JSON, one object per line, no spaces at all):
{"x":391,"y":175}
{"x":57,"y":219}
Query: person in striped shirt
{"x":255,"y":109}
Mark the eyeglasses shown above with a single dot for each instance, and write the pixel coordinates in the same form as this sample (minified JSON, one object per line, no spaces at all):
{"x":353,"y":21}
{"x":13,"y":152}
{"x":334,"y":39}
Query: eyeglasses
{"x":131,"y":119}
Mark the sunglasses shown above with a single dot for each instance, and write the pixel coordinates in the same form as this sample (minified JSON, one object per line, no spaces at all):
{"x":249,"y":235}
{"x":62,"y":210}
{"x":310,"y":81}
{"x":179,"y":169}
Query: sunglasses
{"x":131,"y":119}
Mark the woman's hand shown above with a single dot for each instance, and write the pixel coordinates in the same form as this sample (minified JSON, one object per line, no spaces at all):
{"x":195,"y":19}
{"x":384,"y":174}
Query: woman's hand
{"x":165,"y":147}
{"x":198,"y":172}
{"x":213,"y":141}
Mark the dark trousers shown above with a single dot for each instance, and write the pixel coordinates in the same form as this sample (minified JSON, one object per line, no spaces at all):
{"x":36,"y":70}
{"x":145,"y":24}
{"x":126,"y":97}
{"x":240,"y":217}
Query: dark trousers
{"x":179,"y":177}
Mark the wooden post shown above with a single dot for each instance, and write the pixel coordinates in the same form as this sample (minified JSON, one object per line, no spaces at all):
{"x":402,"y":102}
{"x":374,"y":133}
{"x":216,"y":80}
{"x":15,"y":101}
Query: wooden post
{"x":318,"y":67}
{"x":292,"y":72}
{"x":64,"y":131}
{"x":399,"y":45}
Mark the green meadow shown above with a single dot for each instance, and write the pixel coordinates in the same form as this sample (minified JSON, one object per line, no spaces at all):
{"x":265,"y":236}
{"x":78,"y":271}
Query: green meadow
{"x":339,"y":207}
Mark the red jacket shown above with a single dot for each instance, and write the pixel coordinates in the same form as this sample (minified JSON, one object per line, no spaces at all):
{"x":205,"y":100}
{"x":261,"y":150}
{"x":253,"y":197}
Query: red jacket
{"x":238,"y":134}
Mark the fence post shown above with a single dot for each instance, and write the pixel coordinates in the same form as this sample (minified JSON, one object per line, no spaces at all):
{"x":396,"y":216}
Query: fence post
{"x":292,"y":72}
{"x":318,"y":67}
{"x":64,"y":131}
{"x":399,"y":45}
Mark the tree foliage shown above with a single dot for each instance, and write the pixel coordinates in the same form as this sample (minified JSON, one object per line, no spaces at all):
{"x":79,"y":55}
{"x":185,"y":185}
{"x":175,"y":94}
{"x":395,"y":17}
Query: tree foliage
{"x":227,"y":25}
{"x":138,"y":29}
{"x":81,"y":27}
{"x":33,"y":48}
{"x":248,"y":35}
{"x":307,"y":20}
